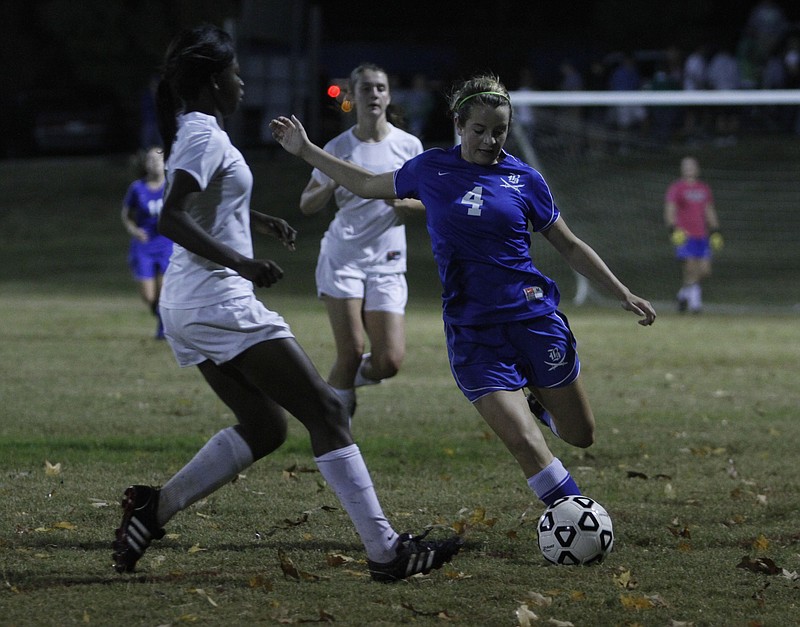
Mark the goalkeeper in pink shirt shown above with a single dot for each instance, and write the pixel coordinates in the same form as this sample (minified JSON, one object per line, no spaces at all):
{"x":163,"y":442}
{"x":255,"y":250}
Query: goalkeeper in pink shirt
{"x":691,"y":218}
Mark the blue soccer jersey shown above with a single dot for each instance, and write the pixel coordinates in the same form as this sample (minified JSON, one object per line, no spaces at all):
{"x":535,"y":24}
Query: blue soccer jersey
{"x":478,"y":219}
{"x":146,"y":205}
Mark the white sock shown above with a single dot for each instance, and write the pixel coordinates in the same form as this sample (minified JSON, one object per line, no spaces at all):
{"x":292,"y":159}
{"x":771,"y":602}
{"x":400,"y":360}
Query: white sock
{"x":695,"y":297}
{"x":345,"y":471}
{"x":214,"y":465}
{"x":361,"y":379}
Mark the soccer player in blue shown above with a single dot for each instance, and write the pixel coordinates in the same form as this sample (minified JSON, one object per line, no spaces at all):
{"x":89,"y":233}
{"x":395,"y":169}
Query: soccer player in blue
{"x":503,"y":328}
{"x":149,"y":251}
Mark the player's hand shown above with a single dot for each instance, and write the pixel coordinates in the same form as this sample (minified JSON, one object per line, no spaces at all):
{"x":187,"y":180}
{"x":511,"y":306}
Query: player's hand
{"x":289,"y":133}
{"x":641,"y":307}
{"x":262,"y":272}
{"x":276,"y":227}
{"x":139,"y":234}
{"x":677,"y":236}
{"x":716,"y":241}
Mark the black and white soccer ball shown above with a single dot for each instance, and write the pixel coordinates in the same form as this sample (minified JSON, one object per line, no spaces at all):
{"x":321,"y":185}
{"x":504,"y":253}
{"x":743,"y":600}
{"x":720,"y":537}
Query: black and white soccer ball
{"x":575,"y":530}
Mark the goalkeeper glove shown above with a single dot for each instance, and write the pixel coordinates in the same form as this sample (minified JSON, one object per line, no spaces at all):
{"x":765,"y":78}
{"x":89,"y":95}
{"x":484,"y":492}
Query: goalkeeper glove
{"x":677,"y":236}
{"x":716,"y":241}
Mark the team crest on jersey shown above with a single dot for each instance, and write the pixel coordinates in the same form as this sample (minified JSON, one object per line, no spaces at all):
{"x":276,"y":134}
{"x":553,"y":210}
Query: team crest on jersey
{"x":393,"y":254}
{"x":512,"y":182}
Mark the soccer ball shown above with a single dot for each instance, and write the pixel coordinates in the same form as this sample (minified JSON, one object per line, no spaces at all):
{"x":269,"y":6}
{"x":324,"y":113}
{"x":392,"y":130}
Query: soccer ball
{"x":575,"y":530}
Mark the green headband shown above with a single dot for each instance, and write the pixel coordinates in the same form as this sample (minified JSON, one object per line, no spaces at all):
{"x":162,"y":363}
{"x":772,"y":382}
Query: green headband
{"x":482,"y":93}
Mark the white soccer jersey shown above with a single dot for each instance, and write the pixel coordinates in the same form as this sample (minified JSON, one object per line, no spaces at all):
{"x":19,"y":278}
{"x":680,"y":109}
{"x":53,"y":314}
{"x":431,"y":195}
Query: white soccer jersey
{"x":365,"y":232}
{"x":205,"y":151}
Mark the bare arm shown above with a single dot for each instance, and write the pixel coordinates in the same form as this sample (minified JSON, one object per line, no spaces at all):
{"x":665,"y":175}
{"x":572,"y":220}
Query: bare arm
{"x":176,"y":224}
{"x":289,"y":132}
{"x":583,"y":259}
{"x":670,"y":210}
{"x":130,"y":225}
{"x":406,"y":207}
{"x":712,"y":220}
{"x":315,"y":196}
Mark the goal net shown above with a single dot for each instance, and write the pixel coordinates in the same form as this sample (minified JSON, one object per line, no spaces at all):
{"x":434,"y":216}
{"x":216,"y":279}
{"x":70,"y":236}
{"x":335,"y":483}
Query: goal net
{"x":610,"y":156}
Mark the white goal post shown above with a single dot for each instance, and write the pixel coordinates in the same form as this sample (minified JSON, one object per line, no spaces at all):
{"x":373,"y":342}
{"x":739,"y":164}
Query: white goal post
{"x":725,"y":97}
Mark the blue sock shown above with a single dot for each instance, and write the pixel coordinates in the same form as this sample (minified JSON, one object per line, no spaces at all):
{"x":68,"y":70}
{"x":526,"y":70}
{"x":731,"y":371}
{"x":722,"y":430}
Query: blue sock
{"x":553,"y":482}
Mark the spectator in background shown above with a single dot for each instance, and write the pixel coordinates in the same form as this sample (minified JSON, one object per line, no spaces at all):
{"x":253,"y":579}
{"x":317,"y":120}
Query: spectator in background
{"x":664,"y":118}
{"x":695,"y":77}
{"x":571,"y":118}
{"x":723,"y":74}
{"x":596,"y":117}
{"x":525,"y":115}
{"x":417,"y":103}
{"x":627,"y":118}
{"x":791,"y":63}
{"x":763,"y":32}
{"x":691,"y":218}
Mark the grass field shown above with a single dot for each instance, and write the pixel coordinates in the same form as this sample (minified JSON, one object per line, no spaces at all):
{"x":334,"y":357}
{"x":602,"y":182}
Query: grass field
{"x":695,"y":456}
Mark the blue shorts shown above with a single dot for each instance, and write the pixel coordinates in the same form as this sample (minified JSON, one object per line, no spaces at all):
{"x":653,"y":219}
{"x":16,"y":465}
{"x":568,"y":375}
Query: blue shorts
{"x":694,"y":248}
{"x":538,"y":352}
{"x":148,"y":263}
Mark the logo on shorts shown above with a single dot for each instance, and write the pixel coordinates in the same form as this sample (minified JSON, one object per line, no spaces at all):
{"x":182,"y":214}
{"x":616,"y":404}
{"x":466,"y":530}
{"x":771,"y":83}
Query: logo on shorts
{"x":556,"y":358}
{"x":392,"y":255}
{"x":533,"y":293}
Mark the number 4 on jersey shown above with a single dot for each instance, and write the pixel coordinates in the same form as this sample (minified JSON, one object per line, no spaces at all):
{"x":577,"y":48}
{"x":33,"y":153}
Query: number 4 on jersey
{"x":473,"y":200}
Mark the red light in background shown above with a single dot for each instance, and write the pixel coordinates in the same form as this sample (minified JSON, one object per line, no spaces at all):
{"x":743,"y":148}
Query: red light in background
{"x":334,"y":91}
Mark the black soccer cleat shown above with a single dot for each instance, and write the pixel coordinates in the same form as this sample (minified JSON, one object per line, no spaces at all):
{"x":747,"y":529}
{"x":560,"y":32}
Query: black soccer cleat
{"x":414,"y":556}
{"x":138,"y":528}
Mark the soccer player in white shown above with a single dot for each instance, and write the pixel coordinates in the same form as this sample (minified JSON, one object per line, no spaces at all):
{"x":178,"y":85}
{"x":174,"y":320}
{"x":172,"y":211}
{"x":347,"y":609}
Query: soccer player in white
{"x":362,"y":260}
{"x":245,"y":352}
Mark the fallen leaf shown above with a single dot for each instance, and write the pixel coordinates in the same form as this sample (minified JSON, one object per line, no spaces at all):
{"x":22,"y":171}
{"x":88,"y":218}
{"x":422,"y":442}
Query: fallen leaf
{"x":680,"y":531}
{"x":337,"y":559}
{"x":259,"y":581}
{"x":636,"y":602}
{"x":626,"y":580}
{"x":762,"y":565}
{"x":761,"y":543}
{"x":290,"y":571}
{"x":52,"y":470}
{"x":559,"y":623}
{"x":195,"y":549}
{"x":64,"y":525}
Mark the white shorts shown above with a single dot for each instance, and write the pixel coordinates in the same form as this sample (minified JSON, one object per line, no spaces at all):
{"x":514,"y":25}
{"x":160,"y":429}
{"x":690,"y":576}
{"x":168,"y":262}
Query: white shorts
{"x":380,"y":292}
{"x":222,"y":331}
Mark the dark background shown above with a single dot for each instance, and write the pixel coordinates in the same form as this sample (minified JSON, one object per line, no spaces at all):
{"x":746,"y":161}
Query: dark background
{"x":94,"y":57}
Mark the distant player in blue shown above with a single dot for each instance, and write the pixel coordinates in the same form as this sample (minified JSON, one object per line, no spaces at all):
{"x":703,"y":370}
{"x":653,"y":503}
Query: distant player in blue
{"x":149,"y":251}
{"x":504,"y":331}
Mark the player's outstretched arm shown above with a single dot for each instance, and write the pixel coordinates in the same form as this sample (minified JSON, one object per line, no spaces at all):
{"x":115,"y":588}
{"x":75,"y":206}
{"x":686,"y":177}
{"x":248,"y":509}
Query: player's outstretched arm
{"x":583,"y":259}
{"x":291,"y":135}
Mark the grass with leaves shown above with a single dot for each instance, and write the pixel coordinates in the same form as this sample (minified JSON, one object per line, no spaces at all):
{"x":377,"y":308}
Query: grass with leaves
{"x":695,"y":461}
{"x":695,"y":457}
